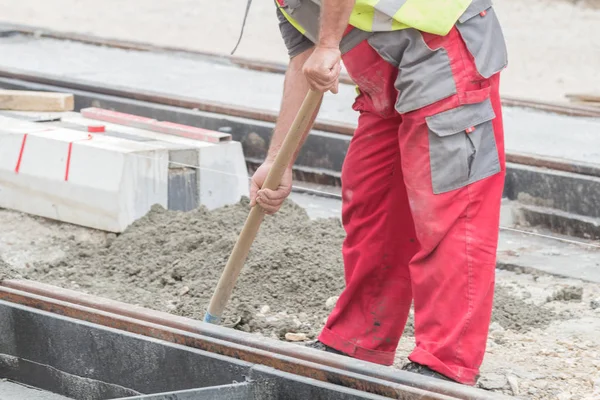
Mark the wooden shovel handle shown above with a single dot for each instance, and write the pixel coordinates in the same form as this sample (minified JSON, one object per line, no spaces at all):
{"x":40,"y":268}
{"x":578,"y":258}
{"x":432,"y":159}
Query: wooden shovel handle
{"x":242,"y":247}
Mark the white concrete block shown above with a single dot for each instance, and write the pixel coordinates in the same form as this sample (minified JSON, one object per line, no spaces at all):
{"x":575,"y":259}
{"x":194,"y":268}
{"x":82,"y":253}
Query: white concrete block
{"x":223,"y":174}
{"x":90,"y":180}
{"x":223,"y":177}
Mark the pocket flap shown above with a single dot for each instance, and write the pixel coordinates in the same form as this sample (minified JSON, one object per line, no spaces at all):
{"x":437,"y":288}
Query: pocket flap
{"x":461,"y":118}
{"x":475,"y":8}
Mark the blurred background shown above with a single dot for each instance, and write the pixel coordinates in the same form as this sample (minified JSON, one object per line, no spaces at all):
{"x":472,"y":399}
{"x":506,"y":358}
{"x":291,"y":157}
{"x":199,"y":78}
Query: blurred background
{"x":554,"y":45}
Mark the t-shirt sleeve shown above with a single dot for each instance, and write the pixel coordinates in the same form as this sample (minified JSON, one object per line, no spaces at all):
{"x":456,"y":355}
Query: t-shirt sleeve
{"x":295,"y":42}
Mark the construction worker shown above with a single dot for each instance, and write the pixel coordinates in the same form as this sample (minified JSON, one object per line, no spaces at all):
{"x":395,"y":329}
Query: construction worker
{"x":423,"y":177}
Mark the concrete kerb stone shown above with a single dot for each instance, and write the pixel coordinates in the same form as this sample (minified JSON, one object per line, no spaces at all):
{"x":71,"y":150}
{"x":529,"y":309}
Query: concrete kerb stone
{"x":222,"y":176}
{"x":90,"y":180}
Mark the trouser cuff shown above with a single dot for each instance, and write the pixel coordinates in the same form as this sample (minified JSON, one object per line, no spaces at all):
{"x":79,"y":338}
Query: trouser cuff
{"x":462,"y":375}
{"x":339,"y":343}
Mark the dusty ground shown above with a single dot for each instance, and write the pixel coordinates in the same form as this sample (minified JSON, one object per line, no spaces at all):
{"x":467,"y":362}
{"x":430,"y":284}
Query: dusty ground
{"x":544,"y":343}
{"x":560,"y":361}
{"x":554,"y":47}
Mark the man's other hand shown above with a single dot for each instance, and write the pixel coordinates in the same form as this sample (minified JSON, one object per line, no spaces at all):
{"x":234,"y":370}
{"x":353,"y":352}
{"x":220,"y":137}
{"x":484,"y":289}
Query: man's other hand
{"x":269,"y":200}
{"x":322,"y":69}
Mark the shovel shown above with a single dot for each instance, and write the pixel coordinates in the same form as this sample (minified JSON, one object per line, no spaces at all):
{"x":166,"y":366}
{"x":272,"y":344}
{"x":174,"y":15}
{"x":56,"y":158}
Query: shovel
{"x":240,"y":251}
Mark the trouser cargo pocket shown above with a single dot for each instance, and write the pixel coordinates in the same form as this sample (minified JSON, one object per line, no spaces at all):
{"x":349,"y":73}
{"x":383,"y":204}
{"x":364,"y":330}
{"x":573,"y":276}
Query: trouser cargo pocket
{"x":462,"y":146}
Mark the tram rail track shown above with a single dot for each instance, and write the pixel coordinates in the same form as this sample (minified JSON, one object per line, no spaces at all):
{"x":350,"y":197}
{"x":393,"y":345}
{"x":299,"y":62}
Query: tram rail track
{"x":282,"y":356}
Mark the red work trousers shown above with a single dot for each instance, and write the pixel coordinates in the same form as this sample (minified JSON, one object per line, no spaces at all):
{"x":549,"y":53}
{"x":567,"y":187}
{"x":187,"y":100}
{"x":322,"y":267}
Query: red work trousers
{"x":406,"y":243}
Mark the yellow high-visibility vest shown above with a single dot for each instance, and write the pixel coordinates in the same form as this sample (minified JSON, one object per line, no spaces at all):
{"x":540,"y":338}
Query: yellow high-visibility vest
{"x":433,"y":16}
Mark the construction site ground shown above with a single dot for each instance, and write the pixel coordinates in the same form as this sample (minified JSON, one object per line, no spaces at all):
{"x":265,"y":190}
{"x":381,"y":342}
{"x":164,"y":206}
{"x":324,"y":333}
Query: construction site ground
{"x":543,"y":341}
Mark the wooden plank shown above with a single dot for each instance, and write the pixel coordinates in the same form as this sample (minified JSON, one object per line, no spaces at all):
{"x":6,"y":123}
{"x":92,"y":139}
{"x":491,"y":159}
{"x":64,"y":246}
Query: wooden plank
{"x":23,"y":100}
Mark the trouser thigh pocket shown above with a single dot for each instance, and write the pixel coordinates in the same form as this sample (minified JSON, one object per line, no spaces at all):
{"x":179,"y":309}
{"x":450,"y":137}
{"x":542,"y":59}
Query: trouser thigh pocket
{"x":462,"y":146}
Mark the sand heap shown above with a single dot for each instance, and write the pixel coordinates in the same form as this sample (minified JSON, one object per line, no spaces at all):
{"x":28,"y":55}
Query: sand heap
{"x":171,"y":261}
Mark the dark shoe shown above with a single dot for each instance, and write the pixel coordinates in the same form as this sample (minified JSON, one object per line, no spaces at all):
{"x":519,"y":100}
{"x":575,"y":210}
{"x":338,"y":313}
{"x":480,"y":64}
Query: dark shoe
{"x":424,"y":370}
{"x":323,"y":347}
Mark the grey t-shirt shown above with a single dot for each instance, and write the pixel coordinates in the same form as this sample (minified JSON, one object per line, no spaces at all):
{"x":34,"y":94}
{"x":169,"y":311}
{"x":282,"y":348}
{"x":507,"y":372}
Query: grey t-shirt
{"x":295,"y":42}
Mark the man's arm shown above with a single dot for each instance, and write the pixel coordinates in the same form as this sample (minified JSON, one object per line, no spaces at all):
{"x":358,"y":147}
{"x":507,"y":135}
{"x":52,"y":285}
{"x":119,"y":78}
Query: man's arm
{"x":317,"y":68}
{"x":322,"y":69}
{"x":335,"y":15}
{"x":294,"y":90}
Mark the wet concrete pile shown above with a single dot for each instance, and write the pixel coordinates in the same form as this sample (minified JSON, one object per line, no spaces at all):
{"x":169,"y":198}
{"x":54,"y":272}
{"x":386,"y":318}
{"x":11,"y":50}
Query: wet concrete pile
{"x":171,"y":261}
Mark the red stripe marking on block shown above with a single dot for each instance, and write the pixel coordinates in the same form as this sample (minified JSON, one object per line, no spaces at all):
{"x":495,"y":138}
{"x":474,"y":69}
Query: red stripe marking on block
{"x":68,"y":167}
{"x":18,"y":166}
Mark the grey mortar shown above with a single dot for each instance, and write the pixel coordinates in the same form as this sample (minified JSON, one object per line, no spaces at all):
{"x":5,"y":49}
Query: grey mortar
{"x":172,"y":260}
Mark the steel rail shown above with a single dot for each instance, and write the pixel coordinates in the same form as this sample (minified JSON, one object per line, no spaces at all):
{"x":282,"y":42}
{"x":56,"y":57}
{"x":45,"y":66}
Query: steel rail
{"x":282,"y":356}
{"x":260,"y":115}
{"x":265,"y":66}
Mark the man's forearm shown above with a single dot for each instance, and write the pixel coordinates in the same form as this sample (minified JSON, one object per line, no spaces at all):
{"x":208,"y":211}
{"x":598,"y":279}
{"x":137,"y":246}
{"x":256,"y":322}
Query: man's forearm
{"x":335,"y":15}
{"x":294,"y":92}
